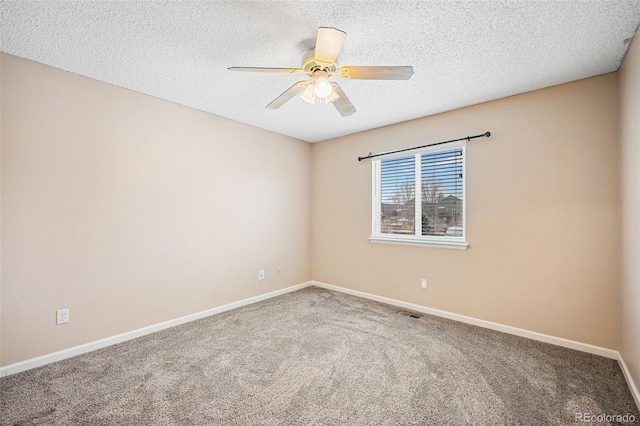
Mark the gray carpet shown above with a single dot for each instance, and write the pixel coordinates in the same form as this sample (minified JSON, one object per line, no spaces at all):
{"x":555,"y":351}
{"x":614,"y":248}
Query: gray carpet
{"x":323,"y":358}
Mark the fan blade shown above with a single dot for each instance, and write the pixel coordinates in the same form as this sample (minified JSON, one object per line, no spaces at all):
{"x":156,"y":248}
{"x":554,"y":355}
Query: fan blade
{"x":257,"y":69}
{"x":328,"y":44}
{"x":342,"y":104}
{"x":377,"y":73}
{"x":288,"y":94}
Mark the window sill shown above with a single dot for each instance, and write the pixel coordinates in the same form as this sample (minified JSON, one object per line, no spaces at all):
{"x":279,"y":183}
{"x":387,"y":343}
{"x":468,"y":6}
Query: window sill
{"x":457,"y":245}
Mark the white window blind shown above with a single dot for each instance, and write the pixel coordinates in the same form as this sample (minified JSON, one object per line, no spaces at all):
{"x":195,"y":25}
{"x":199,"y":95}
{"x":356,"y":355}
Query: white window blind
{"x":397,"y":190}
{"x":420,"y":198}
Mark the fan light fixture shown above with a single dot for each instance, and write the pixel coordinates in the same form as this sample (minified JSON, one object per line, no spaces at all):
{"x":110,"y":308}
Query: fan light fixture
{"x":319,"y":89}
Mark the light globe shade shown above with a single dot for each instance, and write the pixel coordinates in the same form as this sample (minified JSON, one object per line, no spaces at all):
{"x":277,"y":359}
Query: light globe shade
{"x":332,"y":97}
{"x":323,"y":87}
{"x":308,"y":94}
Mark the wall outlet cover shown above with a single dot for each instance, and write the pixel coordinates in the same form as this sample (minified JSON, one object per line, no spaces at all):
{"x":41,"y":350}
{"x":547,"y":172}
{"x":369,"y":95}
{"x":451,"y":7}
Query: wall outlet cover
{"x":62,"y":316}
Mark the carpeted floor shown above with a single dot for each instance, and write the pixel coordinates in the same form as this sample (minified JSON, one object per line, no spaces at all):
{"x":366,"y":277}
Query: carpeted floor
{"x":323,"y":358}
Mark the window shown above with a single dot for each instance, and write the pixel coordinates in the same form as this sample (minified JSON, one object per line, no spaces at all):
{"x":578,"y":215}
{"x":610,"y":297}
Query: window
{"x":420,"y":198}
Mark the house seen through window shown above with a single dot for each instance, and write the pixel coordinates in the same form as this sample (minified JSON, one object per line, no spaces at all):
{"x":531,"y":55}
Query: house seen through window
{"x":419,"y":198}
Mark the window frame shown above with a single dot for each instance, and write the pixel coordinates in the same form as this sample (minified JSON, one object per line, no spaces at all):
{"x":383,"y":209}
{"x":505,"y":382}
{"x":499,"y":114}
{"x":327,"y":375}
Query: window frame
{"x":417,"y":240}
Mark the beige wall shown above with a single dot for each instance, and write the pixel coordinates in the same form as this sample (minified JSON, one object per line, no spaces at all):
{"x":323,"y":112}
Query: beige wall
{"x":130,"y":210}
{"x":630,"y":211}
{"x":542,"y":214}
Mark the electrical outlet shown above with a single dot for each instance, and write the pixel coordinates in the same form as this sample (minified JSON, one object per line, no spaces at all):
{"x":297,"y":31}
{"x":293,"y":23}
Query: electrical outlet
{"x":278,"y":271}
{"x":423,"y":283}
{"x":62,"y":316}
{"x":261,"y":274}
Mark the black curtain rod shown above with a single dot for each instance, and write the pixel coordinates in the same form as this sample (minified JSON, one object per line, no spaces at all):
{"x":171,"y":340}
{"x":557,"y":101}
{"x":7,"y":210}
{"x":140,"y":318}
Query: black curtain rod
{"x":468,"y":138}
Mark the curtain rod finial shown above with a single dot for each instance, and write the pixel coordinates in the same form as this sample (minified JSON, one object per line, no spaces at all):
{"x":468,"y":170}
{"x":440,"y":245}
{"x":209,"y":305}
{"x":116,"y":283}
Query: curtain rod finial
{"x":487,"y":134}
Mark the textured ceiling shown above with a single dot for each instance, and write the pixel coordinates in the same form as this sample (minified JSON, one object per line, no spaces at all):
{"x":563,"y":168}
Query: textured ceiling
{"x":463,"y":52}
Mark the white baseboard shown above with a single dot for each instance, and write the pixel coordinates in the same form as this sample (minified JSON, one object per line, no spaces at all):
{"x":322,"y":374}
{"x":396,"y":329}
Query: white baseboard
{"x":92,"y":346}
{"x":559,"y":341}
{"x":627,"y":375}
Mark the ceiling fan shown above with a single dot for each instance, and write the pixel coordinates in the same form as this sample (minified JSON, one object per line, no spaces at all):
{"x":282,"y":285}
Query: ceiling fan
{"x":320,"y":65}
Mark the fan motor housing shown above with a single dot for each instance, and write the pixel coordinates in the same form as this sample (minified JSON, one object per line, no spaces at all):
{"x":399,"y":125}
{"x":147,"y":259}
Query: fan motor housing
{"x":310,"y":65}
